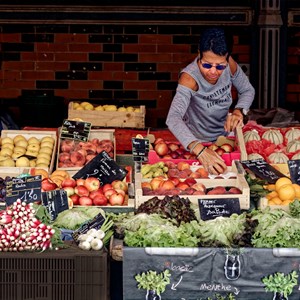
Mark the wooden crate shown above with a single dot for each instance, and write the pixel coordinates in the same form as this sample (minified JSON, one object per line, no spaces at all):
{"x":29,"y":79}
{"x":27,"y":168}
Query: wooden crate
{"x":28,"y":134}
{"x":109,"y":118}
{"x":239,"y":182}
{"x":101,"y":134}
{"x":263,"y":204}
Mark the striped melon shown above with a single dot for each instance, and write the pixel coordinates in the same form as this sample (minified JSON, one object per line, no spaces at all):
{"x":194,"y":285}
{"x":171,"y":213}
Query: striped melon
{"x":251,"y":135}
{"x":296,"y":156}
{"x":292,"y":134}
{"x":253,"y":156}
{"x":278,"y":158}
{"x":293,"y":146}
{"x":274,"y":136}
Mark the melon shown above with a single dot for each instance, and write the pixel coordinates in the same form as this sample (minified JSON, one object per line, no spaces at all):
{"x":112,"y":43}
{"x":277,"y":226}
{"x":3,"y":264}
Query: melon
{"x":292,"y":134}
{"x":253,"y":156}
{"x":293,"y":146}
{"x":278,"y":158}
{"x":274,"y":136}
{"x":296,"y":156}
{"x":251,"y":135}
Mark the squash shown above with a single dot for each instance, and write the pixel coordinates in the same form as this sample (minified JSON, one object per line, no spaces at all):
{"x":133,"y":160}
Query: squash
{"x":251,"y":135}
{"x":253,"y":156}
{"x":274,"y":136}
{"x":278,"y":158}
{"x":293,"y":146}
{"x":292,"y":134}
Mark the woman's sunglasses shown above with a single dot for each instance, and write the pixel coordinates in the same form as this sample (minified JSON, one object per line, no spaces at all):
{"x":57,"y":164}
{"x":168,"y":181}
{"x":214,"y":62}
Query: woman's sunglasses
{"x":209,"y":66}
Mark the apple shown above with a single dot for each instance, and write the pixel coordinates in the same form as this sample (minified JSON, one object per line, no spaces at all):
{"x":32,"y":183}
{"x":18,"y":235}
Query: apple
{"x":175,"y":180}
{"x":227,"y":148}
{"x":182,"y":186}
{"x":100,"y":200}
{"x":75,"y":199}
{"x":120,"y":192}
{"x":80,"y":181}
{"x":120,"y":184}
{"x":68,"y":182}
{"x":161,"y":148}
{"x":96,"y":193}
{"x":81,"y":190}
{"x":155,"y":182}
{"x":190,"y":181}
{"x":158,"y":140}
{"x":173,"y":146}
{"x":199,"y":187}
{"x":182,"y":165}
{"x":85,"y":201}
{"x":167,"y":184}
{"x":218,"y":190}
{"x":109,"y":192}
{"x":106,"y":186}
{"x":213,"y":147}
{"x":69,"y":190}
{"x":116,"y":199}
{"x":48,"y":185}
{"x":92,"y":184}
{"x":195,"y":174}
{"x":220,"y":151}
{"x":146,"y":184}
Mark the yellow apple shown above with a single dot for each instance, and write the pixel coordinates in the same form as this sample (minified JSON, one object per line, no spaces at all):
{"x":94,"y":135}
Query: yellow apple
{"x":42,"y":160}
{"x":16,"y":155}
{"x":44,"y":155}
{"x":33,"y":147}
{"x":79,"y":108}
{"x":40,"y":165}
{"x":33,"y":140}
{"x":4,"y":157}
{"x":33,"y":153}
{"x":99,"y":108}
{"x":19,"y":149}
{"x":130,"y":108}
{"x":6,"y":151}
{"x":122,"y":108}
{"x":110,"y":108}
{"x":75,"y":105}
{"x":22,"y":162}
{"x":137,"y":110}
{"x":48,"y":139}
{"x":21,"y":143}
{"x":9,"y":162}
{"x":7,"y":145}
{"x":84,"y":103}
{"x":32,"y":163}
{"x":47,"y":150}
{"x":7,"y":140}
{"x":19,"y":137}
{"x":89,"y":106}
{"x":47,"y":144}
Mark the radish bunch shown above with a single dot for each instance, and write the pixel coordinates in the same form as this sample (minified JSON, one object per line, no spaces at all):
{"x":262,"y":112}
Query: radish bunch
{"x":21,"y":231}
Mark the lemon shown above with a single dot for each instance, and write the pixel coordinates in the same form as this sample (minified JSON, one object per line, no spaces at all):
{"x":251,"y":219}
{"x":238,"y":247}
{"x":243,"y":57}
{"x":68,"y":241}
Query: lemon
{"x":276,"y":201}
{"x":282,"y":181}
{"x":286,"y":192}
{"x":297,"y":190}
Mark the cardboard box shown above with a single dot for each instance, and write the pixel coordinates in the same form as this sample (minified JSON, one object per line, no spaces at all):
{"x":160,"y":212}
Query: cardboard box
{"x":28,"y":134}
{"x":239,"y":182}
{"x":109,"y":118}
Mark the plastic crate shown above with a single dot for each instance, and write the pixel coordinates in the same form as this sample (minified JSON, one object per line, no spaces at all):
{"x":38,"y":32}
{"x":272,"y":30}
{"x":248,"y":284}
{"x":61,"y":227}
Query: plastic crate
{"x":68,"y":274}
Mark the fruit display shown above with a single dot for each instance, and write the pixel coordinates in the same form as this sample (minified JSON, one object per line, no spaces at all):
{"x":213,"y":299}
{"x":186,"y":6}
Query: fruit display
{"x":76,"y":154}
{"x":106,"y":107}
{"x":275,"y":145}
{"x":88,"y":192}
{"x":23,"y":150}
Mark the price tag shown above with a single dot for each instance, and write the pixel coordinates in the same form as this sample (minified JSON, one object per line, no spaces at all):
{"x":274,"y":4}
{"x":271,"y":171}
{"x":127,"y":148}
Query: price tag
{"x":294,"y":167}
{"x":140,"y":149}
{"x":213,"y":208}
{"x":75,"y":130}
{"x":263,"y":170}
{"x":28,"y":189}
{"x":55,"y":202}
{"x":102,"y":167}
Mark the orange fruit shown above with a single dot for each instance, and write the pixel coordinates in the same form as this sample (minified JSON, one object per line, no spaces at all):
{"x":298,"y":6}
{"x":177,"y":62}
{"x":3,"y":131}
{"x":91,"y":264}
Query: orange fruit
{"x":271,"y":202}
{"x":272,"y":195}
{"x":269,"y":187}
{"x":282,"y":181}
{"x":286,"y":202}
{"x":286,"y":192}
{"x":276,"y":200}
{"x":297,"y":190}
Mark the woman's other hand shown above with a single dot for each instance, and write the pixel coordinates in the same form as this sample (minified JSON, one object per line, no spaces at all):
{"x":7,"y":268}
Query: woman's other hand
{"x":233,"y":120}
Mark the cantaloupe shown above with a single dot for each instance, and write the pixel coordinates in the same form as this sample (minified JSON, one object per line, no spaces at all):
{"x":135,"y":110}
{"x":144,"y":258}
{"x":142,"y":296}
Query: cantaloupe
{"x":278,"y":158}
{"x":293,"y":146}
{"x":253,"y":156}
{"x":251,"y":135}
{"x":274,"y":136}
{"x":292,"y":134}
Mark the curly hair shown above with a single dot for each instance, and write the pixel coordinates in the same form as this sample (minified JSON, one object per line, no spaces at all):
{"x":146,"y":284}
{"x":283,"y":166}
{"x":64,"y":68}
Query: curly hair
{"x":215,"y":40}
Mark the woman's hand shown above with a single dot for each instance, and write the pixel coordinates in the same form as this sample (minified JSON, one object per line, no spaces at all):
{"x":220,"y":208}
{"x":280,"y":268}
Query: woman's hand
{"x":212,"y":162}
{"x":233,"y":120}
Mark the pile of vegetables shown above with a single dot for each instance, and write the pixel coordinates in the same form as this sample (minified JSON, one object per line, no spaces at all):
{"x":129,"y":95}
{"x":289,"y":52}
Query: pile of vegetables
{"x":21,"y":231}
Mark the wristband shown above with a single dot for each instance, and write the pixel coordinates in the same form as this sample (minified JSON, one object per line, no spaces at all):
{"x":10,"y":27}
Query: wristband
{"x":194,"y":146}
{"x":201,"y":152}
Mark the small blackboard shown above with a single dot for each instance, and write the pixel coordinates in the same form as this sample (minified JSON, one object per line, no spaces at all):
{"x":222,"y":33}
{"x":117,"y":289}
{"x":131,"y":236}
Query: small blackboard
{"x":219,"y":207}
{"x":96,"y":223}
{"x":75,"y":130}
{"x":294,"y":167}
{"x":102,"y":167}
{"x":140,"y":149}
{"x":28,"y":189}
{"x":263,"y":170}
{"x":55,"y":202}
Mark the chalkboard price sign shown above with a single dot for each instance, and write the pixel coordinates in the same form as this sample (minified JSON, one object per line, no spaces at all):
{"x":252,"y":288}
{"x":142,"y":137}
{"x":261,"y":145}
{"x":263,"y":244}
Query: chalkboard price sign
{"x":294,"y":168}
{"x":55,"y":202}
{"x":263,"y":170}
{"x":102,"y":167}
{"x":213,"y":208}
{"x":75,"y":130}
{"x":140,"y":149}
{"x":28,"y":189}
